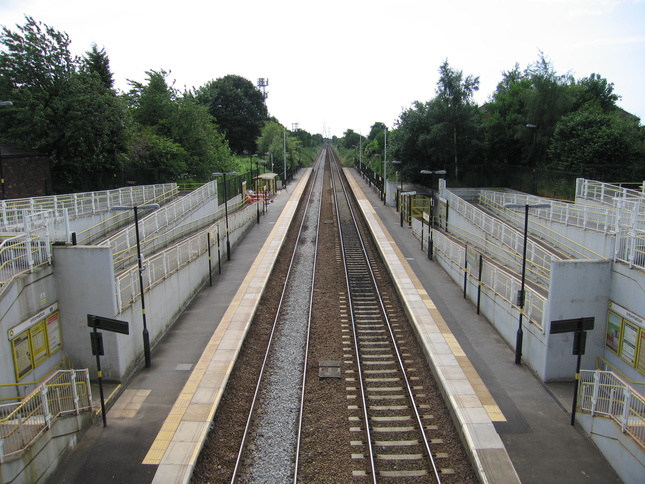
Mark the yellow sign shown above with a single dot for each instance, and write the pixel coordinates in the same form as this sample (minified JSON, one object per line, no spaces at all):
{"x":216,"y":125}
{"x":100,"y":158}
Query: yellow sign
{"x":22,"y":361}
{"x":34,"y":340}
{"x":38,"y":343}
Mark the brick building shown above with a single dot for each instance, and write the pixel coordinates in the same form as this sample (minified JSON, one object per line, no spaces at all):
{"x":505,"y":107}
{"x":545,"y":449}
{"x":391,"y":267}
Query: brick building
{"x":23,"y":173}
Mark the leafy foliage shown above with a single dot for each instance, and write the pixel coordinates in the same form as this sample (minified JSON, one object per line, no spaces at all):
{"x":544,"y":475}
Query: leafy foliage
{"x":595,"y":144}
{"x":58,"y":108}
{"x":238,"y":108}
{"x":172,"y":127}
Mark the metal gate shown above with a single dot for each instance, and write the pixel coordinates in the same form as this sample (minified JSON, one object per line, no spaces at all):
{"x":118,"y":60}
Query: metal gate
{"x":413,"y":204}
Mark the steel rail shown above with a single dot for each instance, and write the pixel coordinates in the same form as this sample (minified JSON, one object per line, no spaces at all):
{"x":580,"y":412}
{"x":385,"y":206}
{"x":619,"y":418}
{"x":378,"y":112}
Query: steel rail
{"x":395,"y":346}
{"x":368,"y":436}
{"x":306,"y":356}
{"x":252,"y":410}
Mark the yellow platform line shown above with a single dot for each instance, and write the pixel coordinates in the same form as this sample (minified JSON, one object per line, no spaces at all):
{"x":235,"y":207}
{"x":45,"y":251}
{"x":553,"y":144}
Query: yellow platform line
{"x":203,"y":412}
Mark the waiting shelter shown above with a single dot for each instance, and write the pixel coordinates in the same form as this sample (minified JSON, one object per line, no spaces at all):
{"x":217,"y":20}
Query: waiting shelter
{"x":266,"y":184}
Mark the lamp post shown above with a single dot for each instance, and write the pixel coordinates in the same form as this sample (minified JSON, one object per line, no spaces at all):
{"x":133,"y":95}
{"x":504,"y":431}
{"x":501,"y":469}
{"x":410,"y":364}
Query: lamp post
{"x":269,"y":155}
{"x":228,"y":242}
{"x":433,"y":173}
{"x":3,"y":103}
{"x":385,"y":167}
{"x":257,"y":188}
{"x":254,"y":155}
{"x":520,"y":295}
{"x":398,"y":162}
{"x":146,"y":335}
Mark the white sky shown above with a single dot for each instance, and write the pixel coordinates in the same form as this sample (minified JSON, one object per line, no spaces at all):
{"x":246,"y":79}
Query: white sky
{"x":342,"y":64}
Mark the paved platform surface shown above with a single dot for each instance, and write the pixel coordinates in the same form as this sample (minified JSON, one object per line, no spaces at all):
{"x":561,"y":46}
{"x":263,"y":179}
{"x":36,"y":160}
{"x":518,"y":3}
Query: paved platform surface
{"x":535,"y":426}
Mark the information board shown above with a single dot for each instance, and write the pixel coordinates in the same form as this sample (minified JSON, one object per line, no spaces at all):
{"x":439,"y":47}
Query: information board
{"x":38,"y":343}
{"x":54,"y":340}
{"x":34,"y":340}
{"x":22,"y":362}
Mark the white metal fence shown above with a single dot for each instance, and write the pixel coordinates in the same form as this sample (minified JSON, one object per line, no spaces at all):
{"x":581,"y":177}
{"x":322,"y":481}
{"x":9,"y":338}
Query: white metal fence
{"x":605,"y":393}
{"x":538,"y":258}
{"x":498,"y":282}
{"x":65,"y":392}
{"x":162,"y":264}
{"x":25,"y":217}
{"x":590,"y":217}
{"x":604,"y":193}
{"x":124,"y":243}
{"x":79,"y":204}
{"x":21,"y":253}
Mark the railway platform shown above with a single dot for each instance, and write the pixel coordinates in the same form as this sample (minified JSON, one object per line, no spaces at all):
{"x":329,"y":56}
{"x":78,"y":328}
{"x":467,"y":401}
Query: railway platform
{"x":156,"y":423}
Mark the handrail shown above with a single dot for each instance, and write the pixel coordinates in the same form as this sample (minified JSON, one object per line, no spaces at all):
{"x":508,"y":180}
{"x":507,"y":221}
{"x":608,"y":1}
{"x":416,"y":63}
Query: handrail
{"x":500,"y":282}
{"x":152,"y":223}
{"x":64,"y":362}
{"x":615,"y":370}
{"x":78,"y":204}
{"x":536,"y":255}
{"x":605,"y":393}
{"x":565,"y":213}
{"x":65,"y":392}
{"x":171,"y":259}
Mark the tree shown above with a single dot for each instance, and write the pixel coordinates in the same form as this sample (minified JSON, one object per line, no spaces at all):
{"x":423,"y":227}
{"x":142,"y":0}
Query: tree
{"x":505,"y":120}
{"x":58,"y":108}
{"x":98,"y":62}
{"x":272,"y":141}
{"x":350,"y":139}
{"x":238,"y":108}
{"x":154,"y":103}
{"x":455,"y":93}
{"x":597,"y":90}
{"x":546,"y":101}
{"x":598,"y":145}
{"x":174,"y":128}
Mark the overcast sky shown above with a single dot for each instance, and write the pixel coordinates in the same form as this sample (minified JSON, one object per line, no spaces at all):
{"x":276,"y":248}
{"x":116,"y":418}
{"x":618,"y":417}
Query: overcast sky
{"x":339,"y":64}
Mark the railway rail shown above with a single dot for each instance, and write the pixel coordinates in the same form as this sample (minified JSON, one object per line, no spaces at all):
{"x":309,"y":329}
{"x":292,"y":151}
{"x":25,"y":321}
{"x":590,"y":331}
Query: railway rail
{"x":395,"y":442}
{"x":331,"y":384}
{"x":271,"y":436}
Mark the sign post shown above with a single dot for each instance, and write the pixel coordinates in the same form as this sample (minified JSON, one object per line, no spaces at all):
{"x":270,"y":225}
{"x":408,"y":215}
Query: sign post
{"x":113,"y":325}
{"x":579,"y":326}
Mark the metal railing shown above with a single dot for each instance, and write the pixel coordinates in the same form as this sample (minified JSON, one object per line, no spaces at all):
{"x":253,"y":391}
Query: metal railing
{"x":20,"y":254}
{"x":499,"y":282}
{"x":124,"y":243}
{"x":65,"y":392}
{"x":538,"y":258}
{"x":624,"y":219}
{"x":587,"y":217}
{"x":170,"y":260}
{"x":605,"y":393}
{"x":79,"y":204}
{"x":604,"y":193}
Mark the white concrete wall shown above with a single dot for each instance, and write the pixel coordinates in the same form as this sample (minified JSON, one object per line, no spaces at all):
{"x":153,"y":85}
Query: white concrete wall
{"x":625,"y":455}
{"x":598,"y":242}
{"x":578,"y":288}
{"x":85,"y":280}
{"x":39,"y":462}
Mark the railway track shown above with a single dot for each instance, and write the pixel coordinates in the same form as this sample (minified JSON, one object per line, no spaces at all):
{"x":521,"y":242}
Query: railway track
{"x":331,"y":385}
{"x":386,"y":412}
{"x":271,"y":440}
